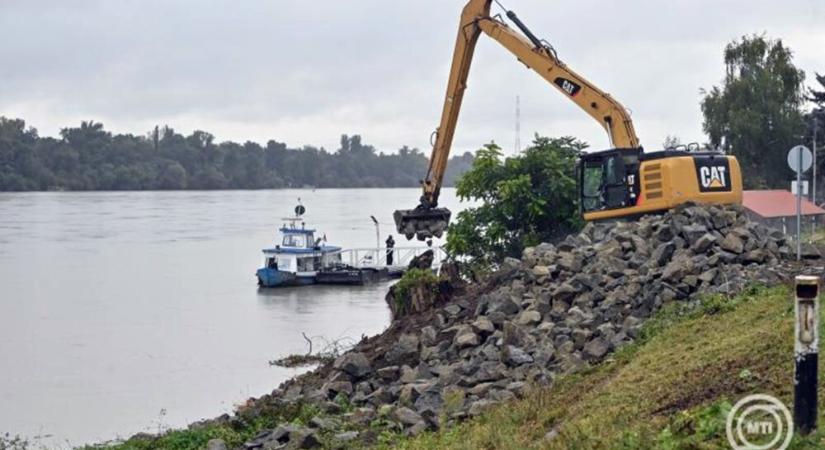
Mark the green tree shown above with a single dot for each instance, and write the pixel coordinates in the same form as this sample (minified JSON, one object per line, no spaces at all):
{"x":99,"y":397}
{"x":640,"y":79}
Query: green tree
{"x":524,"y":200}
{"x":815,"y":123}
{"x":818,"y":97}
{"x":671,"y":142}
{"x":757,"y":112}
{"x":816,"y":118}
{"x":172,"y":176}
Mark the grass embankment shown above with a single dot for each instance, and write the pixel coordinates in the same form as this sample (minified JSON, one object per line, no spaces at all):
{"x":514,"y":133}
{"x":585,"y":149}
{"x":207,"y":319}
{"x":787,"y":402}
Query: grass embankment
{"x":671,"y":389}
{"x":196,"y":437}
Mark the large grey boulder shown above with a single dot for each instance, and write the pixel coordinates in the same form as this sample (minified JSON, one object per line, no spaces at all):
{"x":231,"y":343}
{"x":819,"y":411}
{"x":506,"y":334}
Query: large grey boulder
{"x":353,"y":363}
{"x":733,"y":244}
{"x":596,"y":349}
{"x":529,"y":317}
{"x":466,"y":337}
{"x":216,"y":444}
{"x":404,"y":350}
{"x":677,"y":269}
{"x":407,"y":417}
{"x":483,"y":326}
{"x":663,"y":253}
{"x":692,"y":233}
{"x":570,"y":262}
{"x":703,"y":243}
{"x":515,"y":356}
{"x":566,"y":291}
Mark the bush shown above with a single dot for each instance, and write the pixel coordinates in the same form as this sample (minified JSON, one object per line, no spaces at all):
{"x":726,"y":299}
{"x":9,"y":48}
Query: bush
{"x":526,"y":199}
{"x":402,"y":298}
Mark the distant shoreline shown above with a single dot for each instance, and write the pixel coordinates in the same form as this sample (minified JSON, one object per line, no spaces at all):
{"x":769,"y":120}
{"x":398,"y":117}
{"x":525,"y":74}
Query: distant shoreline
{"x":81,"y":191}
{"x":90,"y":158}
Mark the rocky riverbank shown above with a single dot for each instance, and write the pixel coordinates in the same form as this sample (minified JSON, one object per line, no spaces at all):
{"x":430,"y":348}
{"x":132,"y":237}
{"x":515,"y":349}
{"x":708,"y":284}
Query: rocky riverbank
{"x":552,"y":312}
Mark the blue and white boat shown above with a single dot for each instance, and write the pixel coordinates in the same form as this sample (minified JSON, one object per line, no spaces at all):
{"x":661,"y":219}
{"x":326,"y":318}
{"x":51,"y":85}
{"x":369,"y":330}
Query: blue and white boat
{"x":298,"y":257}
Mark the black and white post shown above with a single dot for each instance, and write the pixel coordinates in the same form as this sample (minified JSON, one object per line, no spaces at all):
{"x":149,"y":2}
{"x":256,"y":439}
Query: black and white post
{"x":799,"y":208}
{"x":806,"y":353}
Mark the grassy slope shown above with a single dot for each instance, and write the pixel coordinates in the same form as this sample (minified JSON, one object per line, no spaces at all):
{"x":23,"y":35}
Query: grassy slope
{"x":671,"y":389}
{"x":196,"y":437}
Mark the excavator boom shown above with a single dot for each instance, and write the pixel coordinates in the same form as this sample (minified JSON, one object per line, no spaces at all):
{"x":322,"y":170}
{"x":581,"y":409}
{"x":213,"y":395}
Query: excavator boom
{"x":427,"y":219}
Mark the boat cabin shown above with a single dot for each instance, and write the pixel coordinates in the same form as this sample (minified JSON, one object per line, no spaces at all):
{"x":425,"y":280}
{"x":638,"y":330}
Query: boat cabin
{"x":300,"y":253}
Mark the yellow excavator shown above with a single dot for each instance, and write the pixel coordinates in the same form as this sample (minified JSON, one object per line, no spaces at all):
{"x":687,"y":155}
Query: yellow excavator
{"x":622,"y":182}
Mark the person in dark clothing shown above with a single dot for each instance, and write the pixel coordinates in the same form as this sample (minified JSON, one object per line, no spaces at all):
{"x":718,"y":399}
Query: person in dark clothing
{"x":390,"y":244}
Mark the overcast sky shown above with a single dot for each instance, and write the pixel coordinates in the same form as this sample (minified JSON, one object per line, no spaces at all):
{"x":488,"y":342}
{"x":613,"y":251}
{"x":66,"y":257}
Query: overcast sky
{"x":305,"y":72}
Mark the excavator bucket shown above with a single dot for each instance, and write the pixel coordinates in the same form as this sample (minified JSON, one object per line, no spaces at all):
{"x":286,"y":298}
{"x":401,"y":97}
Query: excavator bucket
{"x":422,"y":223}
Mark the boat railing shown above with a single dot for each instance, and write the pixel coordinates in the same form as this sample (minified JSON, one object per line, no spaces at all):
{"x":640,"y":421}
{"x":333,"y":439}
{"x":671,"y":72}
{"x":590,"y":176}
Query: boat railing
{"x":377,"y":256}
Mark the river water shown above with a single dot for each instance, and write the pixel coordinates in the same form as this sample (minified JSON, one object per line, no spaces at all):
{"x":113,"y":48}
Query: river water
{"x":123,"y":312}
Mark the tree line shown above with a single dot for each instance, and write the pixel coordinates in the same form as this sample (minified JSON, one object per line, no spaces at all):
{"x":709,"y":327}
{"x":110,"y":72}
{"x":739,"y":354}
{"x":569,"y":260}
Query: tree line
{"x":89,"y":157}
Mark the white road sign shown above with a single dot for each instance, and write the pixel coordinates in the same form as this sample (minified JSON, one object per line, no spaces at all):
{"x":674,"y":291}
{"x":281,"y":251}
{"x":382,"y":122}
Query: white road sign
{"x":793,"y":158}
{"x":804,"y":187}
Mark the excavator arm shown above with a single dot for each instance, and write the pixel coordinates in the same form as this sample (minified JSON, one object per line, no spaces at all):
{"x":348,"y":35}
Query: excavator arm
{"x":427,"y":219}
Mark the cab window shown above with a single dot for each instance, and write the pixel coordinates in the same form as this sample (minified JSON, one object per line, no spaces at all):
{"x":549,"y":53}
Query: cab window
{"x":592,"y":186}
{"x":613,"y":174}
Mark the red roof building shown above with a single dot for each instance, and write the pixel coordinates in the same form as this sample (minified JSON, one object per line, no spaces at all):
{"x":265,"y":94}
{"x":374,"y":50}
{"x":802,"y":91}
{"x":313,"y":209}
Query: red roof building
{"x":777,"y":203}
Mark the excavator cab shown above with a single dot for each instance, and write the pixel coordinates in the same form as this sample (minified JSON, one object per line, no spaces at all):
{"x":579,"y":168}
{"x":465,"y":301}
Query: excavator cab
{"x":626,"y":183}
{"x":608,"y":179}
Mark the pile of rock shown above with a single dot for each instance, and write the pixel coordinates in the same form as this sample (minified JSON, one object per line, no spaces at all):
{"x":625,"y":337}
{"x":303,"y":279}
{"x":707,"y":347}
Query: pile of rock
{"x":556,"y":309}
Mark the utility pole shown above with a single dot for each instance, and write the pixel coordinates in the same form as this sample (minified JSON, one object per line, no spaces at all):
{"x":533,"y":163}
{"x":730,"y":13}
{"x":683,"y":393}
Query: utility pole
{"x":813,"y":181}
{"x":517,"y":146}
{"x":799,"y":207}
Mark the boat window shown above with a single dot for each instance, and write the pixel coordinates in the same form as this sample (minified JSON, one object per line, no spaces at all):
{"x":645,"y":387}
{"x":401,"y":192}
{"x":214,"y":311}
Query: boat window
{"x":285,"y":264}
{"x":332,"y":259}
{"x":305,"y":265}
{"x":294,"y":240}
{"x":272,"y":263}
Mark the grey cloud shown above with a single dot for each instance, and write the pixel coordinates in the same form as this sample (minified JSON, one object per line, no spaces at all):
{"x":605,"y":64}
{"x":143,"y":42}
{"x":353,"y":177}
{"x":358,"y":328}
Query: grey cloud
{"x":305,"y":72}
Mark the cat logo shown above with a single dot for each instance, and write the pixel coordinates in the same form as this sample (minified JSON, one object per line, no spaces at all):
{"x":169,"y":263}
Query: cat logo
{"x":713,"y":177}
{"x":570,"y":87}
{"x":713,"y":173}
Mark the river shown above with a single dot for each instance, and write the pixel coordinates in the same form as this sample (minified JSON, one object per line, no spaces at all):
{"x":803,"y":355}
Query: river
{"x":123,"y":312}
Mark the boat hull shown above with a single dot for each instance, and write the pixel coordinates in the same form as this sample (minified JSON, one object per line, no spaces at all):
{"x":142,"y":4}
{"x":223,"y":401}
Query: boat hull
{"x":278,"y":278}
{"x":351,"y":276}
